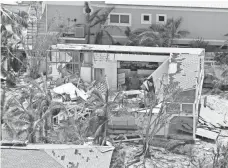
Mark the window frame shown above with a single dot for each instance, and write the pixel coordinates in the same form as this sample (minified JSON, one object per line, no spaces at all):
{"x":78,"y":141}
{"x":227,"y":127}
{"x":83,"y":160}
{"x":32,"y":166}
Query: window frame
{"x":120,"y":24}
{"x":161,"y":22}
{"x":146,"y":22}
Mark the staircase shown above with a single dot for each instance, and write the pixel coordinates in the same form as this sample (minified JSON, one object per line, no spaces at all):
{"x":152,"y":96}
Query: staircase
{"x":36,"y":26}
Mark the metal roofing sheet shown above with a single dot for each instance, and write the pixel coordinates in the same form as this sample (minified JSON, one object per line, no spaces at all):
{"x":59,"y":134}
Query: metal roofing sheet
{"x":129,"y":49}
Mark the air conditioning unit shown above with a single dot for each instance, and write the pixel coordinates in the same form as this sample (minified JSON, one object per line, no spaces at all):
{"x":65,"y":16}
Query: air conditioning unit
{"x":80,"y":32}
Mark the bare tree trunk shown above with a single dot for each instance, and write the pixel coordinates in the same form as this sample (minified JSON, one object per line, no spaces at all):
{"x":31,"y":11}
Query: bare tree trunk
{"x":32,"y":138}
{"x":88,"y":35}
{"x":88,"y":28}
{"x":45,"y":130}
{"x":106,"y":118}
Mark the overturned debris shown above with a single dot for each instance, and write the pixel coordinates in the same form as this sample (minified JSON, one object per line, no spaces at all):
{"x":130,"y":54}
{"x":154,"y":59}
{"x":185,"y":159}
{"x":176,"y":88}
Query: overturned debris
{"x":202,"y":132}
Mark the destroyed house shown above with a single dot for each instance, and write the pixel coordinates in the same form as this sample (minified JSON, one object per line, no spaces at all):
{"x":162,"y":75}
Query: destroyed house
{"x":129,"y":66}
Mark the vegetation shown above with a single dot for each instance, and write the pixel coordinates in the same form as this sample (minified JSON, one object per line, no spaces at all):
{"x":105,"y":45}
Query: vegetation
{"x":157,"y":35}
{"x":98,"y":18}
{"x":27,"y":111}
{"x":31,"y":107}
{"x":42,"y":39}
{"x":12,"y":31}
{"x":199,"y":43}
{"x":103,"y":29}
{"x":155,"y":122}
{"x":221,"y":58}
{"x":218,"y":157}
{"x":102,"y":104}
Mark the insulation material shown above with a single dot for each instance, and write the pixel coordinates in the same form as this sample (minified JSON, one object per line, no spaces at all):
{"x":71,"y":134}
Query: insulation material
{"x":67,"y":88}
{"x":85,"y":74}
{"x":72,"y":90}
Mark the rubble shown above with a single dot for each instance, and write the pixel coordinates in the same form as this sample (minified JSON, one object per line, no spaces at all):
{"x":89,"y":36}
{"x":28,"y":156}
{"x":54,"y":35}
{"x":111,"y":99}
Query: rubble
{"x":72,"y":90}
{"x":202,"y":132}
{"x":213,"y":117}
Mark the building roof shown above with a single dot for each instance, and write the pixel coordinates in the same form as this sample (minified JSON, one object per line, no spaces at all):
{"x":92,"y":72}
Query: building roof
{"x":188,"y":4}
{"x":56,"y":156}
{"x":127,"y":49}
{"x":21,"y":158}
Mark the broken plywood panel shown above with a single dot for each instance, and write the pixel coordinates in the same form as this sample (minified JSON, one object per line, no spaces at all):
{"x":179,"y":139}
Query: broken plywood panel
{"x":126,"y":138}
{"x":207,"y":133}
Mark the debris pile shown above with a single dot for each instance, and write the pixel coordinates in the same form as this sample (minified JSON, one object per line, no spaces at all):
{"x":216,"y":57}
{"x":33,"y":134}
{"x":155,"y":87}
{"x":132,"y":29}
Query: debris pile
{"x":213,"y":119}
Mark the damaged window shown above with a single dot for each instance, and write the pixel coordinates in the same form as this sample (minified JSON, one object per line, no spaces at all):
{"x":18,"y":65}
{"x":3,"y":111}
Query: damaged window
{"x":62,"y":64}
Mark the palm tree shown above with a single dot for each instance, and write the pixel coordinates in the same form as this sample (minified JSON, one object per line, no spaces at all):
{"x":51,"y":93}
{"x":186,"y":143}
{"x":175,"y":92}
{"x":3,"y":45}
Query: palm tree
{"x":157,"y":35}
{"x":173,"y":27}
{"x":99,"y":17}
{"x":199,"y":43}
{"x":225,"y":43}
{"x":28,"y":111}
{"x":103,"y":29}
{"x":102,"y":104}
{"x":218,"y":82}
{"x":12,"y":27}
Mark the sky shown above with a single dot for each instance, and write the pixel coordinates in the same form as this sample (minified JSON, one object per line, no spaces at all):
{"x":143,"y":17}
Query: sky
{"x":154,"y":2}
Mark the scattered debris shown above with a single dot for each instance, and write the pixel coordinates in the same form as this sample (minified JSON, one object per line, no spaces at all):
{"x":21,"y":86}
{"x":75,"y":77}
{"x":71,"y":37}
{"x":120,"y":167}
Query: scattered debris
{"x":207,"y":134}
{"x":126,"y":138}
{"x":72,"y":90}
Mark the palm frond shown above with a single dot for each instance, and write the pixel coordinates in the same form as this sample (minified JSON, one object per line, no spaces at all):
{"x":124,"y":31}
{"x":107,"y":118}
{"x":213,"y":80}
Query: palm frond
{"x":225,"y":74}
{"x":110,"y":37}
{"x":22,"y":131}
{"x":106,"y":27}
{"x":98,"y":131}
{"x":127,"y":31}
{"x":140,"y":30}
{"x":157,"y":27}
{"x":9,"y":112}
{"x":15,"y":17}
{"x":177,"y":22}
{"x":182,"y":33}
{"x":97,"y":95}
{"x":98,"y":37}
{"x":36,"y":85}
{"x":49,"y":111}
{"x":93,"y":16}
{"x":9,"y":129}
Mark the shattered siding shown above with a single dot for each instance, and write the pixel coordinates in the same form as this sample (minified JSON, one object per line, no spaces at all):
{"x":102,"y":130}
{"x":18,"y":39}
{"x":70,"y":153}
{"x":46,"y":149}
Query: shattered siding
{"x":187,"y":70}
{"x":85,"y":157}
